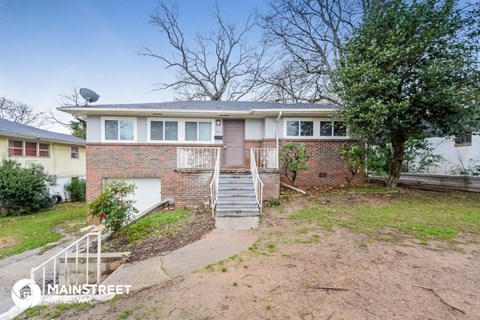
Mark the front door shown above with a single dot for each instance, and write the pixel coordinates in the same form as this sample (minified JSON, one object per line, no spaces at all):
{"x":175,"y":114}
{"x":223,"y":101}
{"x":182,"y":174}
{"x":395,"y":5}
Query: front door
{"x":233,"y":141}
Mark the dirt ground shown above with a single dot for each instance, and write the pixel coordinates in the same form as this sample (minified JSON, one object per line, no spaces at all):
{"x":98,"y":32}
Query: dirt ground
{"x":297,"y":271}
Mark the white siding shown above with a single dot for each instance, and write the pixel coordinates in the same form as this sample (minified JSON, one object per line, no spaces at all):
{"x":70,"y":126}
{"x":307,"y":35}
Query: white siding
{"x":254,"y":129}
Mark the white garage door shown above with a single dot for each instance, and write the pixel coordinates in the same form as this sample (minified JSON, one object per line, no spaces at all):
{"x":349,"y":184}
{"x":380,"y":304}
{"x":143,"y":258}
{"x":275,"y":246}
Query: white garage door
{"x":147,"y":193}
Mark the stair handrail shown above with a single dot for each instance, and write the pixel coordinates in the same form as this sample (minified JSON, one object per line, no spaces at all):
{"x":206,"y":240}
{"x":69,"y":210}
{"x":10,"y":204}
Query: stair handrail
{"x":257,"y":182}
{"x":64,"y":254}
{"x":214,"y":183}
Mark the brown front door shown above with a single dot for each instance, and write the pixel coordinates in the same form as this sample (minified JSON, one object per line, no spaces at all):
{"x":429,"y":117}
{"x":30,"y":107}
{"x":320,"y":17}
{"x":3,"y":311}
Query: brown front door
{"x":233,"y":141}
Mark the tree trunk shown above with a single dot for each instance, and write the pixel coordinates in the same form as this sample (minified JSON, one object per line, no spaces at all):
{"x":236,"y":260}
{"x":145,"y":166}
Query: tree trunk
{"x":396,"y":163}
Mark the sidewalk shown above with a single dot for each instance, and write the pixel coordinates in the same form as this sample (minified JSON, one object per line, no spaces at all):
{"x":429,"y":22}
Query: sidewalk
{"x":217,"y":245}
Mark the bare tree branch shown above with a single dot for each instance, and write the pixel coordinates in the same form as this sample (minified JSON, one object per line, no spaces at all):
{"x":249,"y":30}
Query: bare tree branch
{"x":217,"y":65}
{"x":20,"y":112}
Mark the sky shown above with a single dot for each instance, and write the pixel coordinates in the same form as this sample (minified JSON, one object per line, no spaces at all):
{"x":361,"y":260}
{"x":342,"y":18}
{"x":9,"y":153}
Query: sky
{"x":49,"y":47}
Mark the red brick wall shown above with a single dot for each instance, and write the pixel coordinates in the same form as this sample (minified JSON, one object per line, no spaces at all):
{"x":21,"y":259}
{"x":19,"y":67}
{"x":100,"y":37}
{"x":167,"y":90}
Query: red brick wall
{"x":324,"y":158}
{"x":145,"y":161}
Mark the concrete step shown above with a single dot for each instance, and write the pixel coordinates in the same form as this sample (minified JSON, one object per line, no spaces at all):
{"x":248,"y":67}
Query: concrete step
{"x":241,"y":198}
{"x":237,"y":213}
{"x":236,"y":223}
{"x":250,"y":205}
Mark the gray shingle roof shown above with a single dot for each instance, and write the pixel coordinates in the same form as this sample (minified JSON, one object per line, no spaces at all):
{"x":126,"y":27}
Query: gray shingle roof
{"x":10,"y":128}
{"x":209,"y":106}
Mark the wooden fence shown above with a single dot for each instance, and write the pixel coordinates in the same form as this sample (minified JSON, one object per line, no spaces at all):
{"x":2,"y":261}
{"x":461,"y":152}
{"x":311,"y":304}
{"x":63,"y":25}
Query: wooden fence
{"x":436,"y":181}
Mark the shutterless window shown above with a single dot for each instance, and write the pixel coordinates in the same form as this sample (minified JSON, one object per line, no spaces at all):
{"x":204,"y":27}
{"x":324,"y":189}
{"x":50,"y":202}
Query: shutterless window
{"x":15,"y":148}
{"x":30,"y":149}
{"x":339,"y":129}
{"x":164,"y":130}
{"x":119,"y":130}
{"x":464,"y":139}
{"x":43,"y":150}
{"x":198,"y":131}
{"x":74,"y":152}
{"x":326,"y":128}
{"x":333,"y":128}
{"x":300,"y":128}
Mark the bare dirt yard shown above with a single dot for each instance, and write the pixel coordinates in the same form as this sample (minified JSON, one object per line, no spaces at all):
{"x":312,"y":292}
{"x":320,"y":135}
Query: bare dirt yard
{"x":336,"y":255}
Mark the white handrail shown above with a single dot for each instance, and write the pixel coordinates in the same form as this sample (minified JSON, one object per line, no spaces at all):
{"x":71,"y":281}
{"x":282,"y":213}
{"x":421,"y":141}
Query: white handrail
{"x":257,"y":182}
{"x":214,"y":183}
{"x":65,"y":252}
{"x":266,"y":158}
{"x":196,"y":157}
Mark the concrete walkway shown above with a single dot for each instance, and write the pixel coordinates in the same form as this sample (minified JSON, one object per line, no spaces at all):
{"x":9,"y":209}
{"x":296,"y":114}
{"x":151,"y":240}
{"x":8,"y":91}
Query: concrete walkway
{"x":217,"y":245}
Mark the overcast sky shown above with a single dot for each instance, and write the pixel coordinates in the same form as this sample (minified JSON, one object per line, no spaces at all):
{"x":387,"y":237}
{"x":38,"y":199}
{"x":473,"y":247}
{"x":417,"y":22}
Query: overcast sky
{"x":48,"y":47}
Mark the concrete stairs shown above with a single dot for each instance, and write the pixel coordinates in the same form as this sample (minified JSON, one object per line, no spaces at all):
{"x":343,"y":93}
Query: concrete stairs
{"x":237,"y":207}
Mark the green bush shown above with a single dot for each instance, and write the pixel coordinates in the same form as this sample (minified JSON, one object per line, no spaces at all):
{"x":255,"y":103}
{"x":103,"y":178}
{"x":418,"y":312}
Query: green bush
{"x":23,"y":188}
{"x":77,"y":188}
{"x":112,"y":206}
{"x":293,"y":158}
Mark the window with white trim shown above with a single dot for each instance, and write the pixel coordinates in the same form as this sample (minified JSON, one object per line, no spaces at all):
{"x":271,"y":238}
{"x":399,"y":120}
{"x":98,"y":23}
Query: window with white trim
{"x":332,"y":129}
{"x":198,"y":131}
{"x":74,"y":152}
{"x":299,"y":128}
{"x":163,"y":130}
{"x":119,"y":129}
{"x":17,"y":148}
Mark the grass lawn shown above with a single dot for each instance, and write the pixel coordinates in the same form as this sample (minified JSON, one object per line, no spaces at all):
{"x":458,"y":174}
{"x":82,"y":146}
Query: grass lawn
{"x":425,"y":215}
{"x":157,"y":224}
{"x":30,"y":231}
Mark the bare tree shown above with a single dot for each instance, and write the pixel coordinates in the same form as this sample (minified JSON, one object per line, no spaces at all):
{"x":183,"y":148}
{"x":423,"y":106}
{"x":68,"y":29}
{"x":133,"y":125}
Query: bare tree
{"x":219,"y":65}
{"x":310,"y":34}
{"x":77,"y":126}
{"x":20,"y":112}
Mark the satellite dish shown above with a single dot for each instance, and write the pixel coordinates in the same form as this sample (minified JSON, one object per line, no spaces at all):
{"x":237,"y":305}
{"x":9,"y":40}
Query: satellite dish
{"x":89,"y":95}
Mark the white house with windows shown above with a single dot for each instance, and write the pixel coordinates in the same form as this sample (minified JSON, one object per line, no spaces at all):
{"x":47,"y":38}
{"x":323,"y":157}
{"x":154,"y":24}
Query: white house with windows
{"x":60,"y":154}
{"x":183,"y":150}
{"x":459,"y":155}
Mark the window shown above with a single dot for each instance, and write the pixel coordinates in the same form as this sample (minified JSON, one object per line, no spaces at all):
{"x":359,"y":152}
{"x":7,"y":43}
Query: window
{"x":15,"y":148}
{"x":74,"y":152}
{"x":463,"y":140}
{"x":164,"y":130}
{"x":198,"y":131}
{"x":28,"y":149}
{"x":332,"y":128}
{"x":300,"y":128}
{"x":121,"y":129}
{"x":43,"y":150}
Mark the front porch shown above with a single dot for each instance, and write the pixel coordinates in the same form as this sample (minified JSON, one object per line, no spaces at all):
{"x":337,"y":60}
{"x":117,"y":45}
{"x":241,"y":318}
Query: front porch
{"x":236,"y":194}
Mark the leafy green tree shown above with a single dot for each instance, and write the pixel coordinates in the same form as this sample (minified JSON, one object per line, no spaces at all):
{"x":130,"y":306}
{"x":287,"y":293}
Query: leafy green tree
{"x":112,"y":205}
{"x":23,"y":188}
{"x":293,"y":158}
{"x":409,"y":70}
{"x":77,"y":188}
{"x":354,"y":156}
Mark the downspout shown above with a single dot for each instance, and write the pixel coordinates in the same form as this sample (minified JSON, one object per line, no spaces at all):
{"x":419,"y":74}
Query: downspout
{"x":276,"y":133}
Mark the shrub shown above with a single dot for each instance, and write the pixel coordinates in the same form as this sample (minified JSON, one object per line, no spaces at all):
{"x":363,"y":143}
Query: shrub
{"x":112,"y":205}
{"x":293,"y":158}
{"x":23,"y":188}
{"x":354,"y":156}
{"x":77,"y":188}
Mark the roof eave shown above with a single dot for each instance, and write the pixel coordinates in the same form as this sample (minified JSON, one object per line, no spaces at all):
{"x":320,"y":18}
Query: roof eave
{"x":14,"y":135}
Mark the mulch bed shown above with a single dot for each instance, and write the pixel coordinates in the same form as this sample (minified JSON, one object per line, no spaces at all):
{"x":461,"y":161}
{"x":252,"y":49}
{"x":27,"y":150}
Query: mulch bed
{"x":200,"y":223}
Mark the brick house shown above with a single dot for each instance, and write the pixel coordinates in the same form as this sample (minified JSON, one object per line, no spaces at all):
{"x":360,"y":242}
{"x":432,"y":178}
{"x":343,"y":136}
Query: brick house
{"x":190,"y":152}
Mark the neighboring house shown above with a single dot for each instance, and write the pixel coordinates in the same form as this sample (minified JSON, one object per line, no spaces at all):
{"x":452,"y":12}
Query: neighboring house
{"x":60,"y":154}
{"x":170,"y":150}
{"x":459,"y":155}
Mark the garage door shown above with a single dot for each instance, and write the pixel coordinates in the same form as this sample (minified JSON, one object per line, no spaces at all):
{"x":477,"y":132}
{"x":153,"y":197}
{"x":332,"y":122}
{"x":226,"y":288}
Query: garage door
{"x":147,"y":193}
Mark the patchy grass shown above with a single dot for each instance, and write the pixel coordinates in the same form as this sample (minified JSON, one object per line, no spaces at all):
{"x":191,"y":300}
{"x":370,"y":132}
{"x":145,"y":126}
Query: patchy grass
{"x":425,"y":215}
{"x":54,"y":311}
{"x":167,"y":223}
{"x":30,"y":231}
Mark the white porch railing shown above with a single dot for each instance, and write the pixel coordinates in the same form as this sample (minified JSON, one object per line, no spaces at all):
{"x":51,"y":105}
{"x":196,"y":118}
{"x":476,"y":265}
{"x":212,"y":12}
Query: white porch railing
{"x":266,"y":158}
{"x":214,"y":183}
{"x":257,"y":182}
{"x":196,"y":157}
{"x":51,"y":270}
